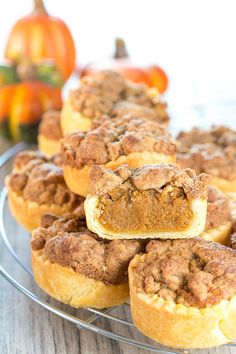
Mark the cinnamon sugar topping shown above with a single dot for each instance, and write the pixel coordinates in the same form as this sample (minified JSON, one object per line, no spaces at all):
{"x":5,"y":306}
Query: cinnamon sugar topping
{"x":68,"y":242}
{"x":100,"y":94}
{"x":191,"y":272}
{"x":114,"y":139}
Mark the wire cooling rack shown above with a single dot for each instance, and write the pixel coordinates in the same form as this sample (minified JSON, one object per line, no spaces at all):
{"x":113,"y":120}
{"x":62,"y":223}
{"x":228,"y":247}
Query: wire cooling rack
{"x":114,"y":323}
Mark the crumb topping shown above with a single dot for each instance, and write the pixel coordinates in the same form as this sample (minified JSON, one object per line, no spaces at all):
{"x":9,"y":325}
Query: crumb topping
{"x":113,"y":139}
{"x":50,"y":125}
{"x":68,"y":242}
{"x":42,"y":181}
{"x":23,"y":158}
{"x":153,"y":177}
{"x":193,"y":272}
{"x":212,"y":151}
{"x":99,"y":94}
{"x":218,"y":208}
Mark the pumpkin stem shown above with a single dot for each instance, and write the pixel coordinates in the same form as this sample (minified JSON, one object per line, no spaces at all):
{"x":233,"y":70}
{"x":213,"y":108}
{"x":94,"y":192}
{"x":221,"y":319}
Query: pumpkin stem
{"x":120,"y":49}
{"x":39,"y":7}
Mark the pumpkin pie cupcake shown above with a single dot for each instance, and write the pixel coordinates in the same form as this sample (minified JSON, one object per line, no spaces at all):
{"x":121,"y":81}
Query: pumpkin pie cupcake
{"x":158,"y":201}
{"x":50,"y":133}
{"x":183,"y":293}
{"x":36,"y":186}
{"x":78,"y":268}
{"x":211,"y":151}
{"x":131,"y":141}
{"x":103,"y":94}
{"x":219,"y":217}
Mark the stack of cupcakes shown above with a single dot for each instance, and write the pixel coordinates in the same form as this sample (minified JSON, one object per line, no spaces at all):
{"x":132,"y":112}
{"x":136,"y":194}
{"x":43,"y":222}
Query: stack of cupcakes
{"x":120,"y":219}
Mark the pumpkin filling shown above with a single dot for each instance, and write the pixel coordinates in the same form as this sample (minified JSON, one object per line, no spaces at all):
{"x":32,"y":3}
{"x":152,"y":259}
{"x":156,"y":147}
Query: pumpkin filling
{"x":151,"y":198}
{"x":144,"y":211}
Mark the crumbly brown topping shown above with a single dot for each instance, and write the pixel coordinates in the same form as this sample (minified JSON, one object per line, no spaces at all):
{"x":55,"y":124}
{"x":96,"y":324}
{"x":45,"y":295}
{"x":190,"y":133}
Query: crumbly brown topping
{"x":124,"y":107}
{"x":100,"y":94}
{"x":218,"y":209}
{"x":50,"y":125}
{"x":42,"y":181}
{"x":153,"y":177}
{"x":69,"y":243}
{"x":27,"y":159}
{"x":113,"y":139}
{"x":51,"y":226}
{"x":193,"y":272}
{"x":23,"y":158}
{"x":212,"y":151}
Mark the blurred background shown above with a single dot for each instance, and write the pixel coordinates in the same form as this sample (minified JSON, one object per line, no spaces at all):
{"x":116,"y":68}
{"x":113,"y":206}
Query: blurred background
{"x":193,"y":41}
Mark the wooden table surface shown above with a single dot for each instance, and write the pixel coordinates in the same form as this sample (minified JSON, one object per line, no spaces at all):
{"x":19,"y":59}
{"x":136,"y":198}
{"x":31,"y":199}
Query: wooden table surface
{"x":27,"y":328}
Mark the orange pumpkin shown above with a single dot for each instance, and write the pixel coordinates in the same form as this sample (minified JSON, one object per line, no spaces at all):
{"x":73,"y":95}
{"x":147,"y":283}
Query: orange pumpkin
{"x":39,"y":36}
{"x":21,"y":108}
{"x":151,"y":75}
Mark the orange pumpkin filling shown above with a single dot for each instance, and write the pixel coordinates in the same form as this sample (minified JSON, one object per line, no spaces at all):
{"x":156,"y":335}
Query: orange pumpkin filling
{"x":141,"y":211}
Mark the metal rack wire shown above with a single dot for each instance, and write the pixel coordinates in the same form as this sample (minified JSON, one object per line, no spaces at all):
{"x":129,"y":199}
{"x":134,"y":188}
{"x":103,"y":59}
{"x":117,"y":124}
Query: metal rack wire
{"x":92,"y":315}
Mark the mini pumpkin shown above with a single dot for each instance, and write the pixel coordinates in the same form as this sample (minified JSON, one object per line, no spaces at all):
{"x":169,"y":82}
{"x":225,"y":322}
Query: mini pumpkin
{"x":39,"y":36}
{"x":151,"y":75}
{"x":22,"y":105}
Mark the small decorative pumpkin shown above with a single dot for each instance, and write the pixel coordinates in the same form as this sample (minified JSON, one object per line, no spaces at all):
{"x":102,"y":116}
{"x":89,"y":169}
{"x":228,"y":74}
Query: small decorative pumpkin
{"x":22,"y":105}
{"x":39,"y":36}
{"x":151,"y":75}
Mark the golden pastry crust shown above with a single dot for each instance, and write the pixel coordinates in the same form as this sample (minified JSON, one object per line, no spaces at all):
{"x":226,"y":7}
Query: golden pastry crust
{"x":181,"y":327}
{"x":72,"y":288}
{"x":100,"y":94}
{"x":224,"y":185}
{"x":116,"y":207}
{"x":218,"y":234}
{"x":173,"y":322}
{"x":29,"y":214}
{"x":211,"y":151}
{"x":72,"y":121}
{"x":47,"y":146}
{"x":76,"y":267}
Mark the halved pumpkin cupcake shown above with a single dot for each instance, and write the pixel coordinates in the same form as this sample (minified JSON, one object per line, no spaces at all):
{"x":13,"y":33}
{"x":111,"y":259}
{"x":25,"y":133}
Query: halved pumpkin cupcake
{"x":158,"y":201}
